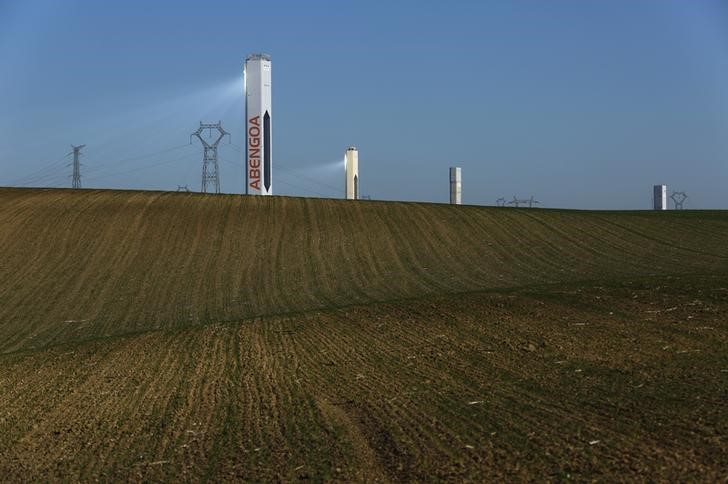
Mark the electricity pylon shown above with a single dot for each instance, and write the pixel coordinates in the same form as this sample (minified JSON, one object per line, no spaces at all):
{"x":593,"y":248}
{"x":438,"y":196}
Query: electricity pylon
{"x":525,"y":201}
{"x":678,"y":198}
{"x":76,"y":177}
{"x":210,"y":172}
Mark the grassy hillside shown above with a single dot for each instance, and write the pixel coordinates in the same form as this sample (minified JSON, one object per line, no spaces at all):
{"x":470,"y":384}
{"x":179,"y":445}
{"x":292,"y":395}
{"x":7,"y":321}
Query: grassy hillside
{"x":386,"y":342}
{"x":87,"y":264}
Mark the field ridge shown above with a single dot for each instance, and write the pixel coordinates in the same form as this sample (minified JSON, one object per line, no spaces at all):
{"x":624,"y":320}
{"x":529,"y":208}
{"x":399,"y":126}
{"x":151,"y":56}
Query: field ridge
{"x":80,"y":264}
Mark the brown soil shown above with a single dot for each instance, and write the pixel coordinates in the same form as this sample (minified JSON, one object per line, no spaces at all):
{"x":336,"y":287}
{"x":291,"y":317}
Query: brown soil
{"x":391,"y":342}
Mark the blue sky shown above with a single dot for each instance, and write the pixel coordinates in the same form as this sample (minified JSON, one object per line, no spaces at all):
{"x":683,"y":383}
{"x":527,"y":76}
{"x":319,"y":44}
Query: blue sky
{"x":583,"y":104}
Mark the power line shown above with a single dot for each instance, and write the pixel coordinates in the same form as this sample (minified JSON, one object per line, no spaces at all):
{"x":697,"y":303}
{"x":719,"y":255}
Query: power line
{"x":39,"y":180}
{"x":48,"y":172}
{"x":108,"y":164}
{"x":41,"y":172}
{"x":234,"y":147}
{"x":298,"y":173}
{"x":233,"y":163}
{"x":48,"y":180}
{"x":107,"y":171}
{"x":298,"y":187}
{"x":51,"y":174}
{"x":141,"y":168}
{"x":312,"y":180}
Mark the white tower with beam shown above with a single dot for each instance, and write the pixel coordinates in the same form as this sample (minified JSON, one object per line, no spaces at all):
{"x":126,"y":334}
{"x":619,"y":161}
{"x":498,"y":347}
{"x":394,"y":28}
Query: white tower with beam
{"x":258,"y":119}
{"x":351,"y":170}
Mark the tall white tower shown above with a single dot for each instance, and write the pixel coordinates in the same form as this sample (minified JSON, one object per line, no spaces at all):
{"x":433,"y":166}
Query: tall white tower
{"x":659,"y":197}
{"x":258,"y":136}
{"x":351,"y":169}
{"x":456,"y":185}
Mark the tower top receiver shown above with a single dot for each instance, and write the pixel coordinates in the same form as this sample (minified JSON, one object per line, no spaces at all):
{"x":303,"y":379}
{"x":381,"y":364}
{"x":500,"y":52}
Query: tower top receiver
{"x":258,"y":57}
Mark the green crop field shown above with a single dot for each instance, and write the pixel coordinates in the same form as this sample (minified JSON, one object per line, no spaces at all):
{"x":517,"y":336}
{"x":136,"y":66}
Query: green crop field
{"x":176,"y":336}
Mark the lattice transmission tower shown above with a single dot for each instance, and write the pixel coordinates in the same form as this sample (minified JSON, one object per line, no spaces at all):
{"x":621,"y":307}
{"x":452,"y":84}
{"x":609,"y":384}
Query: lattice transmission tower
{"x":678,"y":198}
{"x":210,"y":173}
{"x":524,"y":201}
{"x":76,"y":177}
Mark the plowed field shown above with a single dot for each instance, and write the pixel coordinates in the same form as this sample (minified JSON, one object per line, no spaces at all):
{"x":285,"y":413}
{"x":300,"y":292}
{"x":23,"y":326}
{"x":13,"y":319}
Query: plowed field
{"x":165,"y":336}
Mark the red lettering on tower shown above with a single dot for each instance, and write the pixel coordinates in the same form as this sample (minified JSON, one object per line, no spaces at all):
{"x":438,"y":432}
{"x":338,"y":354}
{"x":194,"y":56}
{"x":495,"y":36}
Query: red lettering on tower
{"x":254,"y":152}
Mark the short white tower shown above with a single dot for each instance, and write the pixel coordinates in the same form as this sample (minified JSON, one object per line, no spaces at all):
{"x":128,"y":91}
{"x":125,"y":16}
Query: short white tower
{"x":659,"y":197}
{"x":456,"y":185}
{"x":351,"y":169}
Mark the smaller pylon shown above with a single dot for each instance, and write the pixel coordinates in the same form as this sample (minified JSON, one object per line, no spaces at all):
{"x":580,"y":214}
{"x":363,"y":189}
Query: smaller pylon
{"x":517,"y":202}
{"x":678,"y":198}
{"x":76,"y":177}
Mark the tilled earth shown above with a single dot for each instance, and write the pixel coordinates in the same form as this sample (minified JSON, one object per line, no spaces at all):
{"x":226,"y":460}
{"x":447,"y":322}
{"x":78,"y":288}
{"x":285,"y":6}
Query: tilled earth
{"x":609,"y":380}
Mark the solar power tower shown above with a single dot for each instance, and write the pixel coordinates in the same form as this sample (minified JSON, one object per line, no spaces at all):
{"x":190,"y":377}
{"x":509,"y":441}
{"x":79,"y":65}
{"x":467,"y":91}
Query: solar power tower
{"x":258,"y":119}
{"x":456,"y":185}
{"x":659,"y":197}
{"x":351,"y":173}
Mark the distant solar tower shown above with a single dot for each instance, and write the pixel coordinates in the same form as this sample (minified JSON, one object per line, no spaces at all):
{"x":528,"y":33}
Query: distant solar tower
{"x":456,"y":185}
{"x":351,"y":172}
{"x":258,"y":135}
{"x":659,"y":197}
